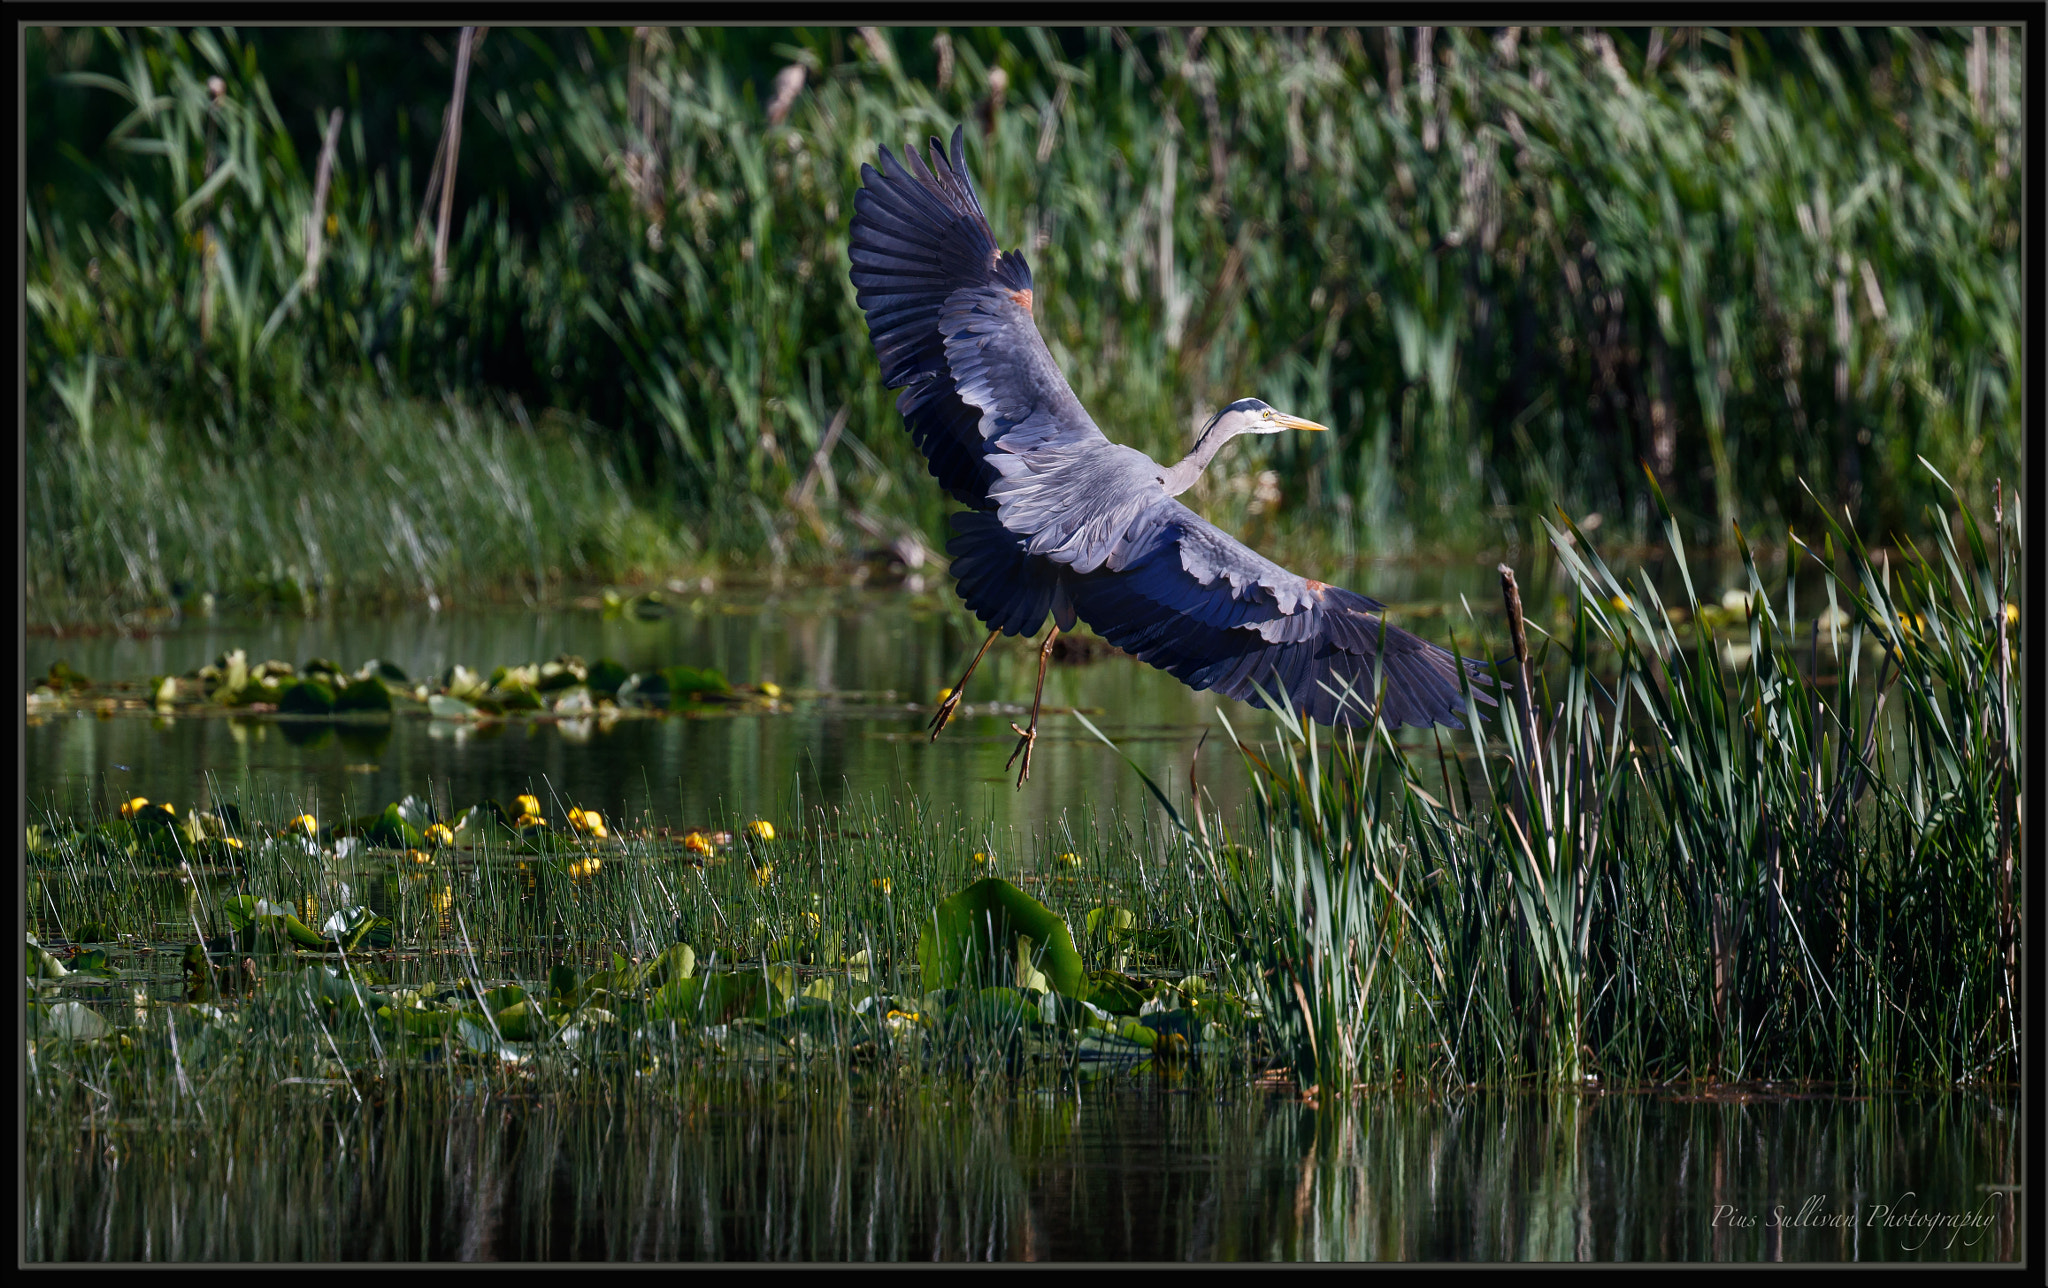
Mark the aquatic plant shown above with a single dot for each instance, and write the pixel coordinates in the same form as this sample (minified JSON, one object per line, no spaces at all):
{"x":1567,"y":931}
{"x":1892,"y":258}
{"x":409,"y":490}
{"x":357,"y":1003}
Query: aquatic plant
{"x":1504,"y":264}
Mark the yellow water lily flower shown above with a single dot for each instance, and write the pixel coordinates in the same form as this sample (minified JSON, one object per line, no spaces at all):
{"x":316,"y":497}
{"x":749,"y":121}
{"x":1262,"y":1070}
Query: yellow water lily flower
{"x":762,"y":829}
{"x":527,"y":804}
{"x":530,"y":820}
{"x":1071,"y":860}
{"x":439,"y":834}
{"x":980,"y":856}
{"x":696,"y":844}
{"x":2012,"y":613}
{"x":420,"y":856}
{"x":304,"y":823}
{"x":881,"y":883}
{"x":589,"y":822}
{"x":764,"y":874}
{"x":134,"y":807}
{"x":811,"y":922}
{"x":770,"y":689}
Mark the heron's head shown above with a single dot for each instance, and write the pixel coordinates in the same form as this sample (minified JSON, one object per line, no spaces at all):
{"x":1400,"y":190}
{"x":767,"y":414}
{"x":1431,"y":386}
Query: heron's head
{"x":1252,"y":416}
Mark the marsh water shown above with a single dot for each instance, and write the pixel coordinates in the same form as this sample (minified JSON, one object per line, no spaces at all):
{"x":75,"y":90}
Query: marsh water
{"x":861,"y":671}
{"x":1138,"y":1171}
{"x":1149,"y":1167}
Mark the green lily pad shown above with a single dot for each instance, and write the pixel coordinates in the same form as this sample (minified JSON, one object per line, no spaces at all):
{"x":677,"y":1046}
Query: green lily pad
{"x":363,"y":695}
{"x":978,"y":934}
{"x":41,"y":965}
{"x":352,"y":927}
{"x":1116,"y":993}
{"x":247,"y":913}
{"x":1110,"y":921}
{"x":606,"y":676}
{"x":522,"y":1021}
{"x":689,"y":683}
{"x":62,"y":677}
{"x":73,"y":1020}
{"x":715,"y":999}
{"x":515,"y":698}
{"x":562,"y":984}
{"x":306,"y":698}
{"x":387,"y":828}
{"x":678,"y":962}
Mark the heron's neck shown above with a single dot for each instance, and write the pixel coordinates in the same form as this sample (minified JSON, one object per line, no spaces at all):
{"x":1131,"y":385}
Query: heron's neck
{"x":1182,"y":476}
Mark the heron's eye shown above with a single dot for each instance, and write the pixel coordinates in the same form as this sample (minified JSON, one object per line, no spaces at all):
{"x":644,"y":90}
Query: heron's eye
{"x":1268,"y":413}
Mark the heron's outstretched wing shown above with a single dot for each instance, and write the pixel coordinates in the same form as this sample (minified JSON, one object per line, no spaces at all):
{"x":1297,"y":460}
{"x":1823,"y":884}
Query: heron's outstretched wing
{"x":950,"y":316}
{"x":1194,"y":601}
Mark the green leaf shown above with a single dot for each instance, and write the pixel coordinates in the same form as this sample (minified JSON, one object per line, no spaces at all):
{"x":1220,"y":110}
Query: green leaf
{"x":980,"y":931}
{"x":72,"y":1020}
{"x":306,"y":698}
{"x":714,"y":999}
{"x":1111,"y":921}
{"x":606,"y":677}
{"x":350,"y":927}
{"x":689,"y":684}
{"x":678,"y":962}
{"x":363,"y":695}
{"x":1116,"y":993}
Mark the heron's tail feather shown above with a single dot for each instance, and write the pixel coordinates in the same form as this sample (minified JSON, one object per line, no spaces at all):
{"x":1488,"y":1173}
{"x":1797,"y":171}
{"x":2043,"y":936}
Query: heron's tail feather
{"x":1006,"y":588}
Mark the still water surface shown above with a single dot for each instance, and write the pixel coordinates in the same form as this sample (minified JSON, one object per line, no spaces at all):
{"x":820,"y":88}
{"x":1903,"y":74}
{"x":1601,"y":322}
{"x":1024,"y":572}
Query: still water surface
{"x":1138,"y":1170}
{"x":861,"y":670}
{"x":1129,"y":1170}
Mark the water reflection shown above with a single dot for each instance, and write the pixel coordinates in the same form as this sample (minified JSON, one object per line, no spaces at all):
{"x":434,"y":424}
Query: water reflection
{"x":862,"y":668}
{"x":1132,"y":1172}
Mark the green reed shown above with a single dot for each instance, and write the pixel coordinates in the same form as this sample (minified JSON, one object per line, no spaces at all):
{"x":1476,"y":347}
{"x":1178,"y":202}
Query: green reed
{"x":1739,"y":852}
{"x":1504,"y":264}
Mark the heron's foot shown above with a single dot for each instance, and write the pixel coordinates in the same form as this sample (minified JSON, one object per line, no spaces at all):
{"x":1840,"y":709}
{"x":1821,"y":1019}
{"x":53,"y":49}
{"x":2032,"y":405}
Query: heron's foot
{"x":944,"y":713}
{"x":1026,"y":739}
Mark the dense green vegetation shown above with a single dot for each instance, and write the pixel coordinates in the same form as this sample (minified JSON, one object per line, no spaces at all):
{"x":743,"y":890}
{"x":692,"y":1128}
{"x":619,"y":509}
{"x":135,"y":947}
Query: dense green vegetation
{"x":1780,"y":846}
{"x":1505,"y":264}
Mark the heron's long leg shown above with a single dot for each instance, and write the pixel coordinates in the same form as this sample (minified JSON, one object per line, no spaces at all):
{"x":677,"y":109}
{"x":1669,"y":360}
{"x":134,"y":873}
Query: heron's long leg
{"x":952,"y":701}
{"x":1027,"y":738}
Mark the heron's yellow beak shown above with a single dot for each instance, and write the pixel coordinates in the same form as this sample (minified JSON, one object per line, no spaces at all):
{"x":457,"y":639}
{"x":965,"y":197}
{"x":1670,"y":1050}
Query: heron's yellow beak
{"x":1296,"y":422}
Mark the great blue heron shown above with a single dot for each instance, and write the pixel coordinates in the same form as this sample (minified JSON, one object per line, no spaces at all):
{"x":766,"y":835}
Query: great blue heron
{"x":1061,"y":520}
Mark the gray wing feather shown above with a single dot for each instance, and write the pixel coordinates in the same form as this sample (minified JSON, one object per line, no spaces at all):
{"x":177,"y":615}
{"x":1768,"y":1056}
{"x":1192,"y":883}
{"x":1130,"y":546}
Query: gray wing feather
{"x":1188,"y":598}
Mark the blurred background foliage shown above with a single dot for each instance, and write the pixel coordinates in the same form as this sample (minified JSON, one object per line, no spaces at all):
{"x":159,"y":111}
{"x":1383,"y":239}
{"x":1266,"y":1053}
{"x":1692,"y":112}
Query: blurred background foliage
{"x":1506,"y":264}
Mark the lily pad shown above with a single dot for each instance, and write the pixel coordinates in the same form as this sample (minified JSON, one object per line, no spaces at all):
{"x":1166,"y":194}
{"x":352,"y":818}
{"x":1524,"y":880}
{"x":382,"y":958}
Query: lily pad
{"x":605,"y":677}
{"x":1116,"y":993}
{"x":693,"y":683}
{"x":73,"y":1020}
{"x":715,"y":999}
{"x":679,"y":962}
{"x":351,"y":927}
{"x":387,"y":828}
{"x":978,"y":934}
{"x":248,"y":913}
{"x":306,"y":698}
{"x":363,"y":695}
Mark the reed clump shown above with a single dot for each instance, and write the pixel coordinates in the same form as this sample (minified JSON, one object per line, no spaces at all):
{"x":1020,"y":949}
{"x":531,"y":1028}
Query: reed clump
{"x":1504,"y":265}
{"x":1749,"y":852}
